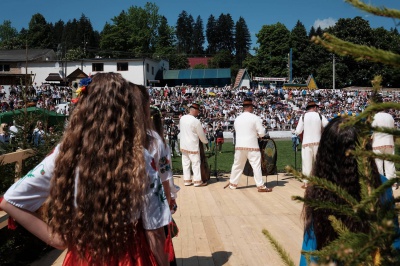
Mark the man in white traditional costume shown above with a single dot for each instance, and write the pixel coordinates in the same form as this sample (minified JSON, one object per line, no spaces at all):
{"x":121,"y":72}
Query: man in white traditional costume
{"x":311,"y":125}
{"x":190,"y":133}
{"x":383,"y":143}
{"x":248,"y":128}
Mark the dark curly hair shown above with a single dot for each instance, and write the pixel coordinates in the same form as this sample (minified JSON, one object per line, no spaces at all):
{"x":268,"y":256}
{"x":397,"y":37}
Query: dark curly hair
{"x":157,"y":125}
{"x":101,"y":156}
{"x":333,"y":164}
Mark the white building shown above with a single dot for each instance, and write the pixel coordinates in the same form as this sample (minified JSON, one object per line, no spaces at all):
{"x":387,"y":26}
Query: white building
{"x":39,"y":63}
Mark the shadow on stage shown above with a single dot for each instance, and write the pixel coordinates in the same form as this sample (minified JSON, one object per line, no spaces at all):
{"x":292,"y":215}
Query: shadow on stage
{"x":271,"y":181}
{"x":217,"y":258}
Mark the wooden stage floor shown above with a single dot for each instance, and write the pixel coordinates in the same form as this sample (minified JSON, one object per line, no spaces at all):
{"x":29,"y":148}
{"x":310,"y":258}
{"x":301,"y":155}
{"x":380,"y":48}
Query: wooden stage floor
{"x":224,"y":227}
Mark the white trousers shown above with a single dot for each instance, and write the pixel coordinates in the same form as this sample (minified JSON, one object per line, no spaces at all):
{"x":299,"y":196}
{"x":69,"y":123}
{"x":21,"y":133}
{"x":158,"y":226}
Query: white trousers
{"x":188,"y":158}
{"x":308,"y":156}
{"x":385,"y":167}
{"x":239,"y":162}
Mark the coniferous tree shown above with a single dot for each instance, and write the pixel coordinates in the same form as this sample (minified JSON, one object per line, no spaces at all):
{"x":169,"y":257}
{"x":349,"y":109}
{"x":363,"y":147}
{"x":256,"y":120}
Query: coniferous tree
{"x":298,"y":43}
{"x":225,"y":33}
{"x":87,"y":36}
{"x":212,"y":35}
{"x":58,"y":32}
{"x":184,"y":32}
{"x":242,"y":41}
{"x":198,"y":37}
{"x":39,"y":33}
{"x":165,"y":35}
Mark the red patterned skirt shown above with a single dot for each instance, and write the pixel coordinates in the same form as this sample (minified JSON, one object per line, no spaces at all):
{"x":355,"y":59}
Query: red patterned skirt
{"x":139,"y":254}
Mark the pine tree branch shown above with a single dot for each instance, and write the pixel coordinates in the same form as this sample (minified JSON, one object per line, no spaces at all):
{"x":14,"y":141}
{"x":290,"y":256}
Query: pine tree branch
{"x":326,"y":184}
{"x":340,"y":209}
{"x":337,"y":225}
{"x":371,"y":154}
{"x":378,"y":11}
{"x":281,"y":251}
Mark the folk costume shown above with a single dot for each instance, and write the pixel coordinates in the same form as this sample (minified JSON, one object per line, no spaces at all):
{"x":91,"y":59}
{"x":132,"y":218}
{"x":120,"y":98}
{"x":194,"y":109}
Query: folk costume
{"x":191,"y":131}
{"x":310,"y":241}
{"x":383,"y":143}
{"x":30,"y":192}
{"x":248,"y":128}
{"x":311,"y":125}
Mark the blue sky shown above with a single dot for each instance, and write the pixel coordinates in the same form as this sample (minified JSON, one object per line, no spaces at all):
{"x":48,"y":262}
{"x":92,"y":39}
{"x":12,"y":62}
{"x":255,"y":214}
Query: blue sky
{"x":255,"y":12}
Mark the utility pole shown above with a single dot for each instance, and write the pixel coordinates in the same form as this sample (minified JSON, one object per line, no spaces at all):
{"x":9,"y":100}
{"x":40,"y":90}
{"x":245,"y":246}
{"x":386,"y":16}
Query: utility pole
{"x":333,"y":69}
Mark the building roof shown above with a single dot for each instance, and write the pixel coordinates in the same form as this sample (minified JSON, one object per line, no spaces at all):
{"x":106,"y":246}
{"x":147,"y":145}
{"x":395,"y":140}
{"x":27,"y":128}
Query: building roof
{"x":193,"y":61}
{"x":216,"y":73}
{"x":21,"y":55}
{"x":77,"y":74}
{"x":54,"y":77}
{"x":310,"y":84}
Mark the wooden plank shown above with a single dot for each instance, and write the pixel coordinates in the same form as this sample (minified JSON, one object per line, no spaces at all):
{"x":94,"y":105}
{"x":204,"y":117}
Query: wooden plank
{"x":60,"y":259}
{"x":54,"y":257}
{"x":3,"y":219}
{"x":16,"y":156}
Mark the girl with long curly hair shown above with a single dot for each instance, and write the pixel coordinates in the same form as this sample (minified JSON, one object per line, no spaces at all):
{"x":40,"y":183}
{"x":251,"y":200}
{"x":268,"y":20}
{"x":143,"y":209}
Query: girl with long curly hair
{"x":334,"y":164}
{"x":104,"y":196}
{"x":158,"y":127}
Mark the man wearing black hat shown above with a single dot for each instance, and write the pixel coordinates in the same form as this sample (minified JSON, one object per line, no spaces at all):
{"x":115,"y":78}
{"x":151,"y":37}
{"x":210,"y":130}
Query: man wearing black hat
{"x":248,"y":128}
{"x":311,"y":125}
{"x":191,"y":131}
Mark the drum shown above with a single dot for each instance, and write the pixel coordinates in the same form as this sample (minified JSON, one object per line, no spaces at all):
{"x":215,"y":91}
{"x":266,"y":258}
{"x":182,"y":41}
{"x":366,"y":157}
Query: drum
{"x":204,"y":168}
{"x":269,"y":157}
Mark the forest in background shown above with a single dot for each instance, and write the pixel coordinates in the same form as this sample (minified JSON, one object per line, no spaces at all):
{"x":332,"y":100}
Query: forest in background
{"x":143,"y":32}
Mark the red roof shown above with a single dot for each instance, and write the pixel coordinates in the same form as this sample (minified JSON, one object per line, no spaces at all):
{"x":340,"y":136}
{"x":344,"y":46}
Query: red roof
{"x":198,"y":60}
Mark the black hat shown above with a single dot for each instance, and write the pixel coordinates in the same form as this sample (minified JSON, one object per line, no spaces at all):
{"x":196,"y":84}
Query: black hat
{"x":195,"y":106}
{"x":248,"y":102}
{"x":311,"y":104}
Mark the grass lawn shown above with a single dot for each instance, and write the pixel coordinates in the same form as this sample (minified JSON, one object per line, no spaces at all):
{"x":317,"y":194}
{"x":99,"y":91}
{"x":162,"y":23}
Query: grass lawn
{"x":286,"y":156}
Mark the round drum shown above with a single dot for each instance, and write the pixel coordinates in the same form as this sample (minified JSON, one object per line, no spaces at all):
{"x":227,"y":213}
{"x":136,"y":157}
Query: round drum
{"x":269,"y":156}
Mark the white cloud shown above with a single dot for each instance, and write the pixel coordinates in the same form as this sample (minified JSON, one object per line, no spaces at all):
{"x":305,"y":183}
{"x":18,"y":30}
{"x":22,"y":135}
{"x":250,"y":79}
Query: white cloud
{"x":324,"y":23}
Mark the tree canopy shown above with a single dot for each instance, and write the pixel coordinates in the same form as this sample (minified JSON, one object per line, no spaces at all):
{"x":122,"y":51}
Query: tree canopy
{"x":144,"y":32}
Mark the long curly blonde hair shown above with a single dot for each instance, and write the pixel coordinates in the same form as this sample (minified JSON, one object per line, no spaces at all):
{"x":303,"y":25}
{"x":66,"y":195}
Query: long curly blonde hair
{"x":100,"y":177}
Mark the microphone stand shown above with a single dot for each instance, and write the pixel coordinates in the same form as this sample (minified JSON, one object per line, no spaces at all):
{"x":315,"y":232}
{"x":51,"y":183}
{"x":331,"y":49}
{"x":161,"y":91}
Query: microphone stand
{"x":215,"y":159}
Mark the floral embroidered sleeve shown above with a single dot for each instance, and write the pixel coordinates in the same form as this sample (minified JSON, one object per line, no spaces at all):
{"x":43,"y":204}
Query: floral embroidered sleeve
{"x":164,"y":164}
{"x":155,"y":212}
{"x":32,"y":190}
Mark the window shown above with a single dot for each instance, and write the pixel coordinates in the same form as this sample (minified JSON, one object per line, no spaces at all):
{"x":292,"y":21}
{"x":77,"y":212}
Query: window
{"x":97,"y":67}
{"x":147,"y":67}
{"x":4,"y":68}
{"x":152,"y":70}
{"x":122,"y":66}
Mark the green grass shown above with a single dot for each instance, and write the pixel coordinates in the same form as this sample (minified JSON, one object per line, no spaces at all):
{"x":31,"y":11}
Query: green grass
{"x":286,"y":156}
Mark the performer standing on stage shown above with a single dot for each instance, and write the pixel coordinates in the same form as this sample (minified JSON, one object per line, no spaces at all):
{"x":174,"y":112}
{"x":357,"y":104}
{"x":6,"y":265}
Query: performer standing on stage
{"x":383,"y":143}
{"x":191,"y":132}
{"x":311,"y":125}
{"x":248,"y":128}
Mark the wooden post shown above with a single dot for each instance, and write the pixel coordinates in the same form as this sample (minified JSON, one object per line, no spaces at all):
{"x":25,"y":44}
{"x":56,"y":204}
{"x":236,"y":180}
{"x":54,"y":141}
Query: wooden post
{"x":16,"y":157}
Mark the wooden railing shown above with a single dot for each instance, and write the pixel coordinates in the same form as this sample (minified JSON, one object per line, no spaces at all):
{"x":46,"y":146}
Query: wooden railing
{"x":54,"y":257}
{"x":17,"y":158}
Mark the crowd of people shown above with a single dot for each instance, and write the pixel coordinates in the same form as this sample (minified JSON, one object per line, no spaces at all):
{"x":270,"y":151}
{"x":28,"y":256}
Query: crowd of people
{"x":127,"y":216}
{"x":47,"y":96}
{"x":280,"y":109}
